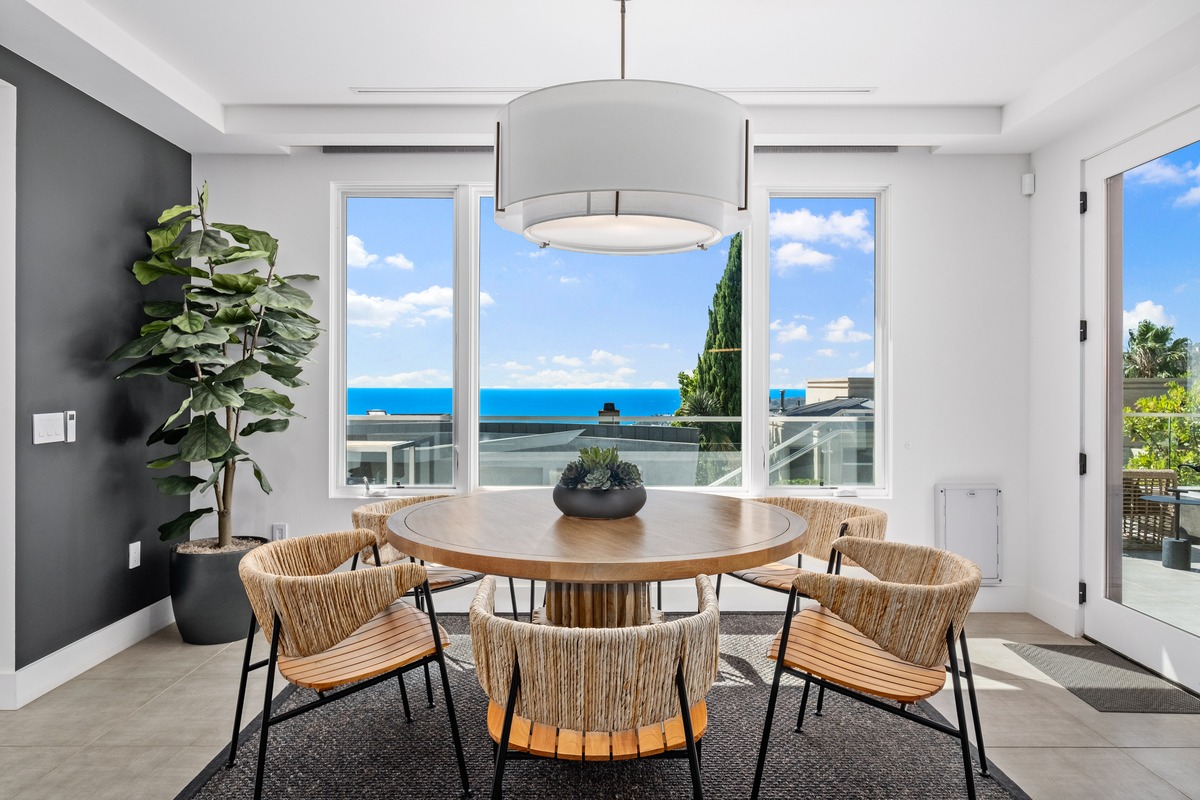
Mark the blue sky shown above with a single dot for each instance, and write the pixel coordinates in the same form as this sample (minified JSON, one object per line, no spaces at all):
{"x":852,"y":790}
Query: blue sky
{"x":1162,"y":243}
{"x":555,"y":319}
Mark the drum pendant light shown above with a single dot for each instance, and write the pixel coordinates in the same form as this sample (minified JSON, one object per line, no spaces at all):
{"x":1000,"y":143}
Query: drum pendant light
{"x":629,"y":167}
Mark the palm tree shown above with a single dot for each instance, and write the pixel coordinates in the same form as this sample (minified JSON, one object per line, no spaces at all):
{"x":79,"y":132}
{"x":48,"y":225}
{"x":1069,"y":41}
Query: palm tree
{"x":1153,"y":352}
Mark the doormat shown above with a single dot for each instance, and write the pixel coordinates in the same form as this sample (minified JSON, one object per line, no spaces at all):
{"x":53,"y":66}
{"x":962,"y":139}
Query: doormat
{"x":1107,"y":681}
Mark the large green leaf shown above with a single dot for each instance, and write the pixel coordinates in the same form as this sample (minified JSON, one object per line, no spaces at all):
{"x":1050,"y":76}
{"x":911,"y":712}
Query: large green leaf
{"x":162,"y":239}
{"x":287,"y":374}
{"x":299,"y":276}
{"x":202,"y":244}
{"x":181,"y":524}
{"x":177,"y":484}
{"x":235,"y":317}
{"x":149,"y":271}
{"x":212,"y":479}
{"x":138,"y":348}
{"x":218,"y":299}
{"x":265,"y":426}
{"x":239,"y":370}
{"x":239,"y":254}
{"x":206,"y":355}
{"x":208,"y":396}
{"x":289,"y":327}
{"x":171,"y":436}
{"x":283,"y":296}
{"x":265,"y":402}
{"x":157,"y":365}
{"x":262,"y":478}
{"x":164,"y":461}
{"x":162,"y":309}
{"x":189,"y":322}
{"x":205,"y":438}
{"x":154,"y":327}
{"x":237,"y":281}
{"x":175,"y":211}
{"x":173,"y":339}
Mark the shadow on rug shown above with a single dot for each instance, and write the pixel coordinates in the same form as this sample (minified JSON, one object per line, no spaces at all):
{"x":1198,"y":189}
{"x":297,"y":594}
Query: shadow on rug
{"x":361,"y":746}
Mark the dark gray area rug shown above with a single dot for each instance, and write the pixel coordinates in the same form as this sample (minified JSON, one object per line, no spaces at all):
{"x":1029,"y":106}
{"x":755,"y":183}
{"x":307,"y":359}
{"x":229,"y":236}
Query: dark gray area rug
{"x":361,"y":747}
{"x":1106,"y":681}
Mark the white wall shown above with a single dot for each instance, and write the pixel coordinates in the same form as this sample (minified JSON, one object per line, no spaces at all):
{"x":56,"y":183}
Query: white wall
{"x":1064,"y":419}
{"x":957,"y":250}
{"x":8,"y":370}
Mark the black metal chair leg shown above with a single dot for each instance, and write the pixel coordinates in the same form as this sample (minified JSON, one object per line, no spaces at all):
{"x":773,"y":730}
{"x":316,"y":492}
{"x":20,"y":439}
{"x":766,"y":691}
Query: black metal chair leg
{"x":506,"y":732}
{"x":428,"y":688}
{"x":803,"y":706}
{"x":688,"y":735}
{"x":820,"y":700}
{"x":354,"y":562}
{"x":660,"y":605}
{"x":762,"y":748}
{"x":440,"y":656}
{"x":237,"y":712}
{"x":532,"y":601}
{"x":268,"y":693}
{"x":404,"y":697}
{"x":964,"y":740}
{"x":969,"y":672}
{"x":512,"y":591}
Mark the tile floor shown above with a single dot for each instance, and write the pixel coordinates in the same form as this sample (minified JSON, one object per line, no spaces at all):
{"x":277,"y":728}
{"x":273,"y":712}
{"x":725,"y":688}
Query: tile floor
{"x":142,"y":724}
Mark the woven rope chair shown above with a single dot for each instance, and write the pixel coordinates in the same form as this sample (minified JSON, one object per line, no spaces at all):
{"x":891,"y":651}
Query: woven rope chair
{"x":596,"y":694}
{"x":336,"y":632}
{"x":828,"y":520}
{"x":886,"y":642}
{"x":1145,"y":523}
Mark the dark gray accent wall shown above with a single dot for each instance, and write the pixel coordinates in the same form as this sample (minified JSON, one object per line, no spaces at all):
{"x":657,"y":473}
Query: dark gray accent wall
{"x":89,"y":183}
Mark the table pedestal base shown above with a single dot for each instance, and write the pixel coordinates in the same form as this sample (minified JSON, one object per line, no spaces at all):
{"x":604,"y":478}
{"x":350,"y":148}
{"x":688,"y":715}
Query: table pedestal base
{"x":1177,"y":553}
{"x":598,"y":605}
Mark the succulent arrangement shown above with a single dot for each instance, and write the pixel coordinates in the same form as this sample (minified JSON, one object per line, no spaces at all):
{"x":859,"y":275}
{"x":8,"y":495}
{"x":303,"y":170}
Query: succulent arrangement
{"x":600,"y":468}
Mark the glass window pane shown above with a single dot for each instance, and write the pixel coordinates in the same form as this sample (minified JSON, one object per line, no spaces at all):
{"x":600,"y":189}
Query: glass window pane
{"x":581,"y":350}
{"x":399,"y":341}
{"x":822,"y":320}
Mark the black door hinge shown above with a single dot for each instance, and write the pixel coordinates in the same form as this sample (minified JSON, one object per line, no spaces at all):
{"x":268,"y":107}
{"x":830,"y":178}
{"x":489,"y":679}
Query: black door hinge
{"x":1083,"y":463}
{"x":1083,"y":330}
{"x":1082,"y":593}
{"x":1083,"y":202}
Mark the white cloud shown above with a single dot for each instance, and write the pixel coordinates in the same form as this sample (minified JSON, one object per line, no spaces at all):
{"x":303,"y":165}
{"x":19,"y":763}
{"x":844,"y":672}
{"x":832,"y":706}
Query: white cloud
{"x":485,"y":300}
{"x":441,"y":312}
{"x":777,"y":356}
{"x":658,"y":385}
{"x":663,"y":346}
{"x":516,"y":365}
{"x":790,"y":332}
{"x":433,"y":296}
{"x":567,"y":279}
{"x":567,"y":361}
{"x":605,"y":357}
{"x":843,"y":230}
{"x":866,"y":369}
{"x":382,"y":312}
{"x":402,"y":380}
{"x":1157,"y":171}
{"x":577,"y":379}
{"x":1189,"y":198}
{"x":841,"y":331}
{"x":1146,"y":309}
{"x":826,"y":352}
{"x":399,"y":261}
{"x":797,"y":254}
{"x":356,"y":253}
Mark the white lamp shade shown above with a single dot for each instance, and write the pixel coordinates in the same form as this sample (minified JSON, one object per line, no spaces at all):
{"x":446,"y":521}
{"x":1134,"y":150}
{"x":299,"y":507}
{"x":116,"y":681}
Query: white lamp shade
{"x":623,"y":166}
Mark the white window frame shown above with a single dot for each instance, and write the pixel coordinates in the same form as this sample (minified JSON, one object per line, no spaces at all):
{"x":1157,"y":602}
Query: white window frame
{"x":755,"y":334}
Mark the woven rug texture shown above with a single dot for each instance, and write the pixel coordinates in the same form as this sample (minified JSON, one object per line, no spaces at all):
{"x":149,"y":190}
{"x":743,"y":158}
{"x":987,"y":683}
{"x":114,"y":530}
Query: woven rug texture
{"x":1106,"y":681}
{"x":361,"y":747}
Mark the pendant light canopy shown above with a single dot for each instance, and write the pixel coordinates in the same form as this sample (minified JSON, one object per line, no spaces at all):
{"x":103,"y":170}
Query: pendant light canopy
{"x":623,"y":166}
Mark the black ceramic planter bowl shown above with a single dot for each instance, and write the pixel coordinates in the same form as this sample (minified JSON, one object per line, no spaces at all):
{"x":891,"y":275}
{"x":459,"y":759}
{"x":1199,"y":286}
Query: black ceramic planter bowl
{"x":207,"y":596}
{"x":599,"y":503}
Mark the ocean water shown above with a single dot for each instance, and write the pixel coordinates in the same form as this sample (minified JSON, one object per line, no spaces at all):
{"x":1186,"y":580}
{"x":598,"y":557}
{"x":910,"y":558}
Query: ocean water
{"x":524,"y":402}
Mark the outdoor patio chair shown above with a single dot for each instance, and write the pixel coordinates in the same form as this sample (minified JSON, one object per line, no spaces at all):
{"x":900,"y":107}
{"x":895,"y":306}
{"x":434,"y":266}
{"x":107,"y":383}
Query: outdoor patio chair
{"x":887,"y":642}
{"x":336,"y":632}
{"x":596,"y":694}
{"x":1145,"y":523}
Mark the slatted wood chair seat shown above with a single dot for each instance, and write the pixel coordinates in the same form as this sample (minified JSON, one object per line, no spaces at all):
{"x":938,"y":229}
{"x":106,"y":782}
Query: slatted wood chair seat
{"x":822,"y":644}
{"x":827,"y":521}
{"x":572,"y":745}
{"x":397,"y":636}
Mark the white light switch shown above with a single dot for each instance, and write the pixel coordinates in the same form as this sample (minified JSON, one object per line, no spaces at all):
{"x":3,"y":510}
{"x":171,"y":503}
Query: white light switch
{"x":70,"y":426}
{"x":48,"y":428}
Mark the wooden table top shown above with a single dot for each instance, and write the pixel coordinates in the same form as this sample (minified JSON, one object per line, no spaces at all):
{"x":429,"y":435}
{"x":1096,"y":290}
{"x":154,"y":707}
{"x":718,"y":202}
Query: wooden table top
{"x":521,"y":533}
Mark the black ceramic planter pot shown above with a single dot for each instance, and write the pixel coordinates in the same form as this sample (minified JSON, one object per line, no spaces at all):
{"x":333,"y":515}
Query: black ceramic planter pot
{"x":207,"y":595}
{"x":600,"y":503}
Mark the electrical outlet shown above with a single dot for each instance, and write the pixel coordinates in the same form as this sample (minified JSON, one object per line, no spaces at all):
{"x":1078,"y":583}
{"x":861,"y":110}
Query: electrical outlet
{"x":135,"y":554}
{"x":278,"y":531}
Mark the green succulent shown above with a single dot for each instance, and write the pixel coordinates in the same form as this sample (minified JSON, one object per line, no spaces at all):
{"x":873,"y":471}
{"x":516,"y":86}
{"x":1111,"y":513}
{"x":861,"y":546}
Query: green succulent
{"x":600,"y":468}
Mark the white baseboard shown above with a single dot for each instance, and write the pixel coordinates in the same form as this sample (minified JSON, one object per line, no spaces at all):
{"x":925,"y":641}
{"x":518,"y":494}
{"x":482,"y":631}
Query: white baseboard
{"x":1067,"y":618}
{"x":33,"y":681}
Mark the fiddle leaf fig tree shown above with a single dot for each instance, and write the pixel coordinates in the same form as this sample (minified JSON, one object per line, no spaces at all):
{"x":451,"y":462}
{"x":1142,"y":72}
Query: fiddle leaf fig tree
{"x":235,"y":328}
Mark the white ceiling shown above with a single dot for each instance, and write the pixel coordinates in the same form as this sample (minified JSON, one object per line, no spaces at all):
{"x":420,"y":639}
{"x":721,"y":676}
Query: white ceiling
{"x":267,"y":75}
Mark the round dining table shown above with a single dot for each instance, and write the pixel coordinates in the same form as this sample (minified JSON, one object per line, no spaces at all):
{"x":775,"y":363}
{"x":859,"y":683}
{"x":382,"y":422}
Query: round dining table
{"x":597,"y":571}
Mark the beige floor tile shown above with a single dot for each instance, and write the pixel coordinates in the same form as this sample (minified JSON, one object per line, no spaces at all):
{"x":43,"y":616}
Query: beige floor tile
{"x":78,"y":712}
{"x":1021,"y":715}
{"x":1081,"y":773}
{"x":25,"y":767}
{"x":121,"y":773}
{"x":1179,"y":767}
